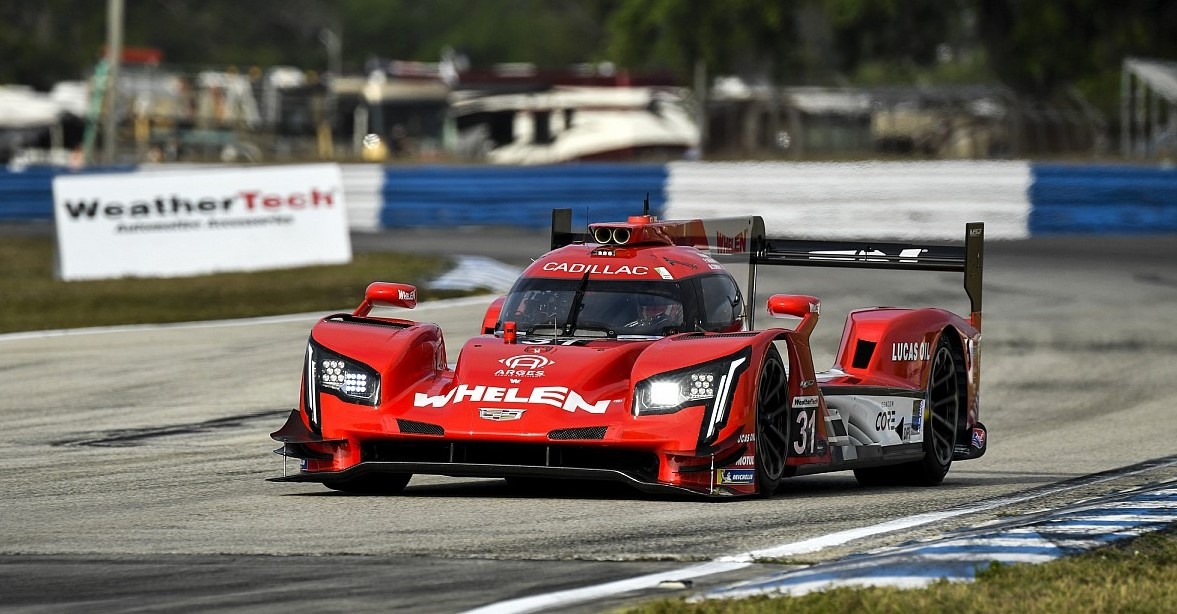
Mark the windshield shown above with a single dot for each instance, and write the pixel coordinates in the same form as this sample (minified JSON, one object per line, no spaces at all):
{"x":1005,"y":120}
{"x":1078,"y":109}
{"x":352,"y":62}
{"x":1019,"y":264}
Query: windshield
{"x":597,"y":308}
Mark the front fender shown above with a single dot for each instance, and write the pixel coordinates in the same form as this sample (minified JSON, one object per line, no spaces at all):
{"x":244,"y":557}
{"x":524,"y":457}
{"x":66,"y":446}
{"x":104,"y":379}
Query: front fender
{"x":404,"y":353}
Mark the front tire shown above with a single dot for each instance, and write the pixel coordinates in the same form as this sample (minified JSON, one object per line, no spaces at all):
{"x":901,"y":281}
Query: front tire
{"x":372,"y":484}
{"x":772,"y":423}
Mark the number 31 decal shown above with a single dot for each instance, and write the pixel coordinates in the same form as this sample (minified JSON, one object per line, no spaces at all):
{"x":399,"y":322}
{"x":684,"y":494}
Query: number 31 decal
{"x":805,"y":435}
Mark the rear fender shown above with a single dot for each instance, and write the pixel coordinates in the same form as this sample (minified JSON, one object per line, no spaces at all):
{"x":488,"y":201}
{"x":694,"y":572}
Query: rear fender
{"x":893,"y":347}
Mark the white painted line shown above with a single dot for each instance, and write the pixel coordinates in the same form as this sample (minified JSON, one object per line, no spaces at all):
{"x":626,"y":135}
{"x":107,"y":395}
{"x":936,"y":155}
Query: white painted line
{"x":588,"y":593}
{"x":310,"y":317}
{"x":734,"y":562}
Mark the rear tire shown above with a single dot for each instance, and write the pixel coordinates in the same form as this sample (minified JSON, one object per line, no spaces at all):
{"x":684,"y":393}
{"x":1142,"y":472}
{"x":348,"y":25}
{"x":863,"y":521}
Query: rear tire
{"x":942,"y":405}
{"x":372,"y":484}
{"x":772,"y":423}
{"x":944,"y":402}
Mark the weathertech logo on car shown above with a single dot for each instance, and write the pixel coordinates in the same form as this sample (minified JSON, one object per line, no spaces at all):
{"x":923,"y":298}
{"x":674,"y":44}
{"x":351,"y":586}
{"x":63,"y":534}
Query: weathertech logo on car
{"x":174,"y":207}
{"x":556,"y":396}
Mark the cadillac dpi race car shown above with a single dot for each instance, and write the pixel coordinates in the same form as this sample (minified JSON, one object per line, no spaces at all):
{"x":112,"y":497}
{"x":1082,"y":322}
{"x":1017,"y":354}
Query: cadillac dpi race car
{"x":628,"y":353}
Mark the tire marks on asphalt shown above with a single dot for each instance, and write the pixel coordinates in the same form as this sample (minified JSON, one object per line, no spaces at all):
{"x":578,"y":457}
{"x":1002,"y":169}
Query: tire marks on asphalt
{"x":130,"y":437}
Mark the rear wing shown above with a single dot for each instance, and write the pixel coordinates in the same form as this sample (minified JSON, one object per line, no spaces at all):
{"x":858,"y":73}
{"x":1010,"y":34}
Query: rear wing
{"x":743,"y":240}
{"x":967,"y":259}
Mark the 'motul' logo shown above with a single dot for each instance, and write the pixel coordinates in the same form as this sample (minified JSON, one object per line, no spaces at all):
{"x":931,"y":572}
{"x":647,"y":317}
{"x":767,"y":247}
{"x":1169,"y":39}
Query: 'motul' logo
{"x":527,"y":362}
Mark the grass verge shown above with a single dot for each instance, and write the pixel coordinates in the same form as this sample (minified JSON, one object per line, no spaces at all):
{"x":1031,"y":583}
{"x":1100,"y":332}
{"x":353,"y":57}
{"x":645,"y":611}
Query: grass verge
{"x":1137,"y":576}
{"x":31,"y":299}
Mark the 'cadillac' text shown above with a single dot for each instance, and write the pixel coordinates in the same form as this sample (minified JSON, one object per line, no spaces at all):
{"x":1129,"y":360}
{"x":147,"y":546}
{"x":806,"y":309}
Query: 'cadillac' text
{"x":596,"y":269}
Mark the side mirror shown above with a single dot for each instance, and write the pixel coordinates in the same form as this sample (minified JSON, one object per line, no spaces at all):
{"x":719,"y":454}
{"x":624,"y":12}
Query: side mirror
{"x":385,"y":294}
{"x":803,"y":306}
{"x":793,"y":305}
{"x":492,"y":315}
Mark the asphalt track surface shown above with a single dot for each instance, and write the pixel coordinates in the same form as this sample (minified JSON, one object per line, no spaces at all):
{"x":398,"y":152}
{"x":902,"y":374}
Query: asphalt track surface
{"x":132,"y":462}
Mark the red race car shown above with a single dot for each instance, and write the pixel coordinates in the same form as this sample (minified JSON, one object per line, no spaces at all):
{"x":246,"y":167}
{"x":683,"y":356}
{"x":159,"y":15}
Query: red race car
{"x":627,"y":353}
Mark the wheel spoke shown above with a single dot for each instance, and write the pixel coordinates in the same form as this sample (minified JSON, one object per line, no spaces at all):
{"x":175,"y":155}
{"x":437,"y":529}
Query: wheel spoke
{"x":774,"y":398}
{"x":944,"y":402}
{"x":948,"y":376}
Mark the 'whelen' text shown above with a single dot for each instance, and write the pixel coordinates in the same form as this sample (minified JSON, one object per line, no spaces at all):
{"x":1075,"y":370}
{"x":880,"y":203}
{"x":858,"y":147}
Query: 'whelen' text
{"x":556,"y":396}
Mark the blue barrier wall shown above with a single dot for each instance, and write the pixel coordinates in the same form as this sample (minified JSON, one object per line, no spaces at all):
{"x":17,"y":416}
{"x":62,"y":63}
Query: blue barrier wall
{"x":1102,"y":200}
{"x":27,"y":195}
{"x":519,"y":196}
{"x":1081,"y":199}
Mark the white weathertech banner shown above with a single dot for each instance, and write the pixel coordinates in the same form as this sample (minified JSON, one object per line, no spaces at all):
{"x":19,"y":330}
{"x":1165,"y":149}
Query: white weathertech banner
{"x":165,"y":224}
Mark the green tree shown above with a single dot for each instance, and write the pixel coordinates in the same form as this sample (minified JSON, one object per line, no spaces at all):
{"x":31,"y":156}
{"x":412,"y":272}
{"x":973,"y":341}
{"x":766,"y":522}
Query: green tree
{"x":47,"y":41}
{"x":549,"y":33}
{"x":801,"y":42}
{"x":735,"y":36}
{"x":1042,"y":48}
{"x":899,"y":40}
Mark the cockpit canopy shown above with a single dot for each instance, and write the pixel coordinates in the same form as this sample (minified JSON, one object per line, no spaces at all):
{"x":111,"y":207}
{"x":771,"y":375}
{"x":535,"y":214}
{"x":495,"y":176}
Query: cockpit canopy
{"x":588,"y":307}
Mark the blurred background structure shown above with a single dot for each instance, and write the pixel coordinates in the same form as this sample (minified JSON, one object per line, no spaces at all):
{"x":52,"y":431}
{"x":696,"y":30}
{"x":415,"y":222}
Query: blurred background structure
{"x":542,"y":81}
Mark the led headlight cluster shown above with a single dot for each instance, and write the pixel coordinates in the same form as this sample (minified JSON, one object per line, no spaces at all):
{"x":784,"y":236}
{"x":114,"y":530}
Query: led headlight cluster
{"x":702,"y":385}
{"x":337,"y":375}
{"x":353,"y":380}
{"x":670,"y":392}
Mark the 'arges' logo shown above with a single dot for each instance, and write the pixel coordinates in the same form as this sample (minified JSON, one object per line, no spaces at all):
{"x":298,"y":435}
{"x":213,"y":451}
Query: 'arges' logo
{"x":524,"y":365}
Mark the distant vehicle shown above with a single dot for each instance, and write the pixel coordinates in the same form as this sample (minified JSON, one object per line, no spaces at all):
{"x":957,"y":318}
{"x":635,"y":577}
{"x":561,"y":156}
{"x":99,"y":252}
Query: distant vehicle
{"x":628,"y":354}
{"x":576,"y":123}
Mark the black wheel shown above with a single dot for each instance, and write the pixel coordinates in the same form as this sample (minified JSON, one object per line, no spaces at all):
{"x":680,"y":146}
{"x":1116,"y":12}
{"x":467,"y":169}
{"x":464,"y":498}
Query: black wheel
{"x":942,"y":405}
{"x":772,"y":423}
{"x":372,"y":484}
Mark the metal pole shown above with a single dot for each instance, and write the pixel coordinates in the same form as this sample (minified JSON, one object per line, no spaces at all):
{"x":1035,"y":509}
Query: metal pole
{"x":1125,"y":111}
{"x":114,"y":54}
{"x":1140,"y":118}
{"x":701,"y":100}
{"x":1154,"y":124}
{"x":334,"y":69}
{"x":334,"y":47}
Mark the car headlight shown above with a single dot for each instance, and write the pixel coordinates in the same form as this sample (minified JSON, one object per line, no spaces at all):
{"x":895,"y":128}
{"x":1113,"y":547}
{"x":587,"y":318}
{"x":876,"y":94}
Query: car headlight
{"x":710,"y":384}
{"x":334,"y":374}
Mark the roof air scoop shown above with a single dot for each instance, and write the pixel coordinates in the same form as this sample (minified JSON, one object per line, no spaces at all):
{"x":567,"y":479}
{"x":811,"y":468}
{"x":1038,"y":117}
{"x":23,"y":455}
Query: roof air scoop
{"x":612,"y":235}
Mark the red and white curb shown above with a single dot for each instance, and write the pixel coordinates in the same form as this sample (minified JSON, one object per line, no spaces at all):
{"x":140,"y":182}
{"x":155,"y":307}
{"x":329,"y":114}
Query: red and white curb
{"x":959,"y":557}
{"x":561,"y":599}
